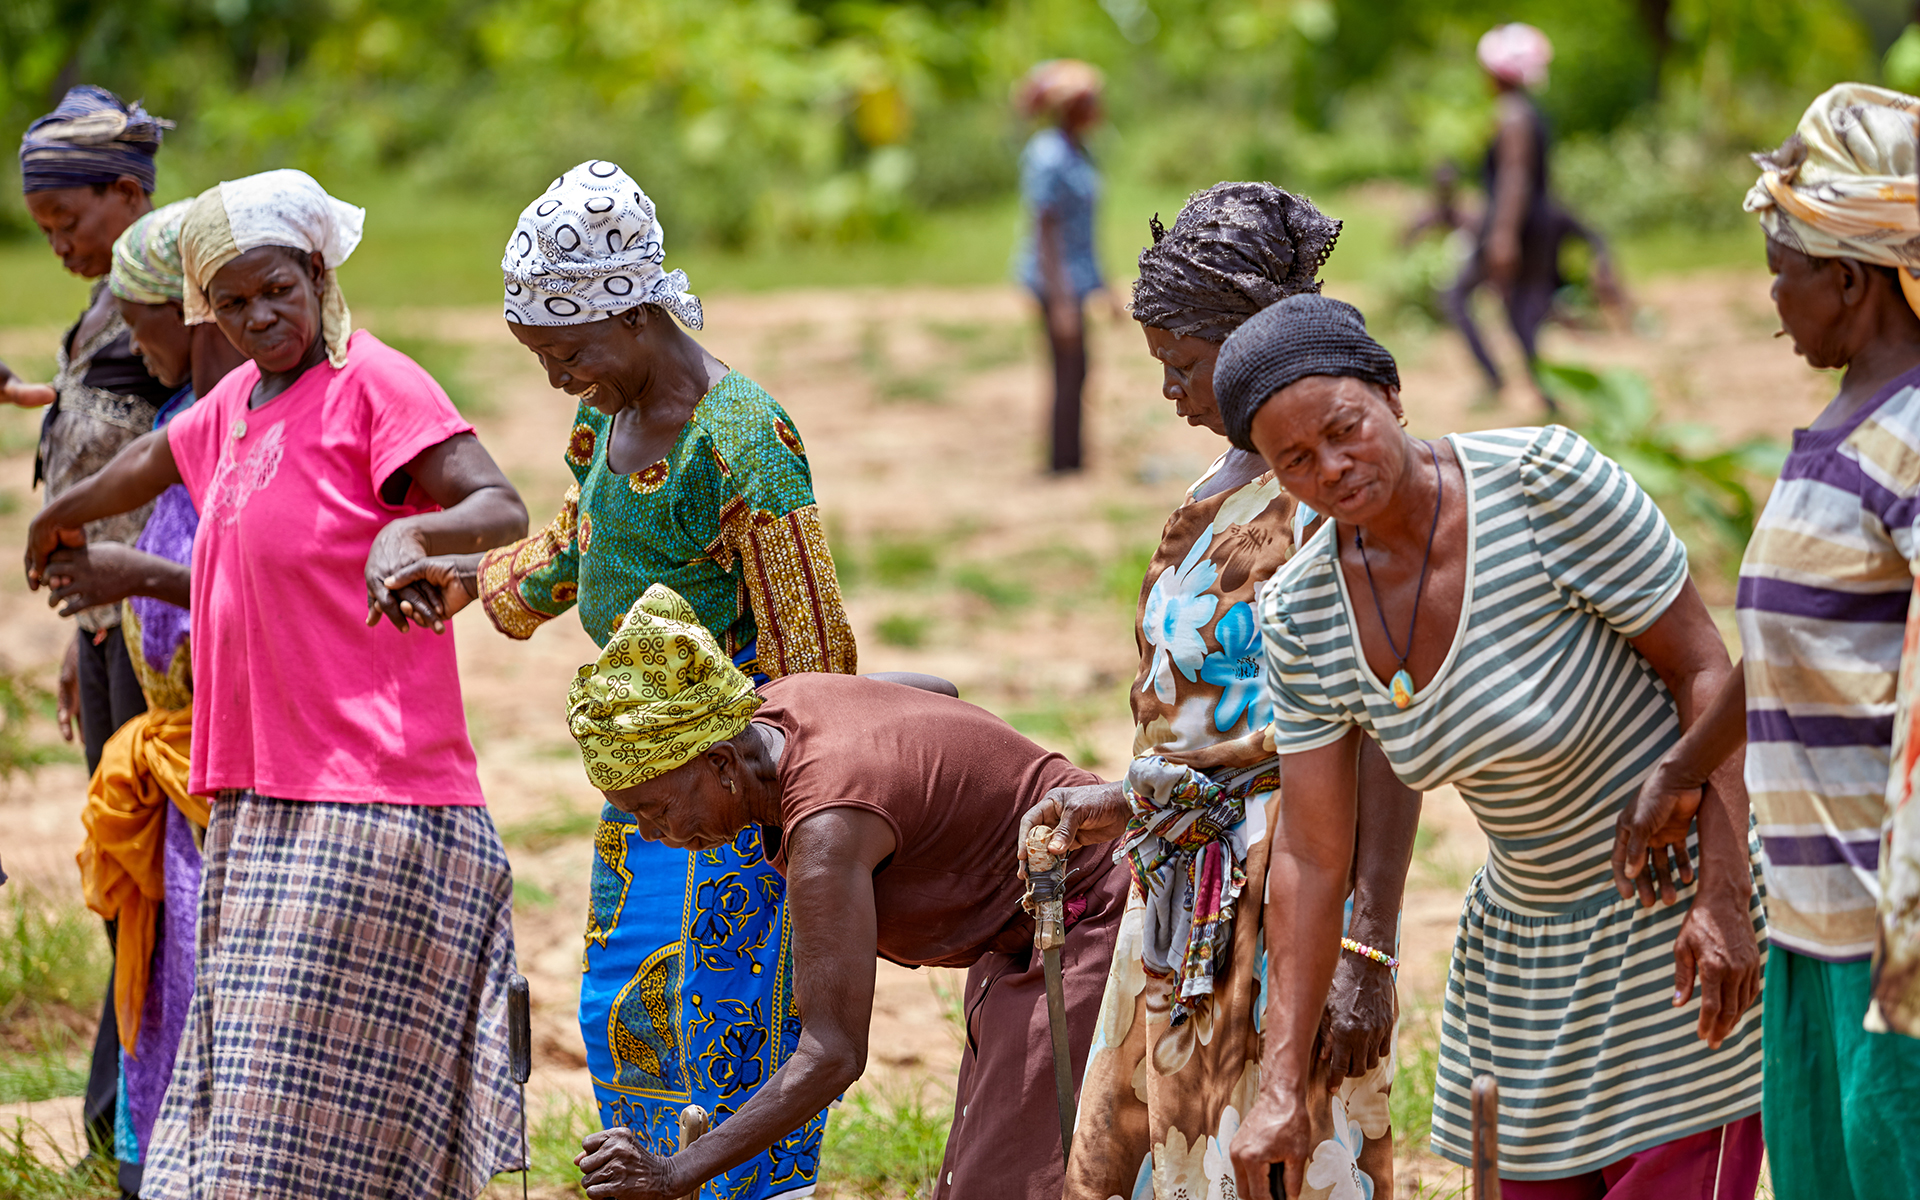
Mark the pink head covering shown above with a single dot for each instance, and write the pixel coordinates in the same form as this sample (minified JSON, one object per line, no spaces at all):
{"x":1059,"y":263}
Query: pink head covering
{"x":1052,"y":85}
{"x":1516,"y":54}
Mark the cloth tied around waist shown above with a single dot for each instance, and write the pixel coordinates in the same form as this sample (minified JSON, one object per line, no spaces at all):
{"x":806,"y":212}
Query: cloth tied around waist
{"x":1186,"y":843}
{"x":123,"y":861}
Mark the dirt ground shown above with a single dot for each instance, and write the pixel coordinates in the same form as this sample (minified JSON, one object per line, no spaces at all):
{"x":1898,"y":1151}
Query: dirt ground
{"x":922,"y":411}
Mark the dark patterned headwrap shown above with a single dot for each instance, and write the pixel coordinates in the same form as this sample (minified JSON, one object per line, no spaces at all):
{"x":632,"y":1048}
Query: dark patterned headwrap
{"x":1233,"y":250}
{"x":93,"y":137}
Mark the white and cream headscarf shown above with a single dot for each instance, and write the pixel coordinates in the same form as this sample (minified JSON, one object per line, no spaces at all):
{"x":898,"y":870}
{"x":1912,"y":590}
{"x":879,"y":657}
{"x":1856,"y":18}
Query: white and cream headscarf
{"x":274,"y":208}
{"x":1843,"y":185}
{"x":590,"y":247}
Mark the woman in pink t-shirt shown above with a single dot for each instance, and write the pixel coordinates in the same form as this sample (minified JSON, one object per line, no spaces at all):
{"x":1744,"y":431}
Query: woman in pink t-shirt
{"x":347,"y":1037}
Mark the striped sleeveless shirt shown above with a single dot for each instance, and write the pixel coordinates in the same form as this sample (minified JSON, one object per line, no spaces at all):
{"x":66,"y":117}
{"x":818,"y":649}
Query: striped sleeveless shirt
{"x":1545,"y":719}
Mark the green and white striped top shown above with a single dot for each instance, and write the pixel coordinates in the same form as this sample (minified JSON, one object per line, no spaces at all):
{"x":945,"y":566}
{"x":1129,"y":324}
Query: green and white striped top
{"x":1545,"y":719}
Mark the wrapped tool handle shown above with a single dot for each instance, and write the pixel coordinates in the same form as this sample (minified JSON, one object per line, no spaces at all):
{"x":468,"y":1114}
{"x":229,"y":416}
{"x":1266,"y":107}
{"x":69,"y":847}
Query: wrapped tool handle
{"x":1046,"y":891}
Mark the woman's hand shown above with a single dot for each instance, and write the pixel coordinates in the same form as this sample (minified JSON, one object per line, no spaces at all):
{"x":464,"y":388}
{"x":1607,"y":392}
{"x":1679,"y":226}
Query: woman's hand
{"x":109,"y":572}
{"x":1080,"y":816}
{"x":1650,"y":838}
{"x":15,"y":390}
{"x":456,"y":576}
{"x":1356,"y":1030}
{"x":1274,"y":1134}
{"x":1716,"y":944}
{"x":46,"y":534}
{"x":67,"y":703}
{"x":397,"y":546}
{"x":617,"y":1167}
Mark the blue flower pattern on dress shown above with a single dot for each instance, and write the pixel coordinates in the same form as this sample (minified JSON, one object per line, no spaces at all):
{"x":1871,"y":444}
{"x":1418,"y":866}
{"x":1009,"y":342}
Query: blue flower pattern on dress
{"x":1177,"y":609}
{"x":1235,"y":669}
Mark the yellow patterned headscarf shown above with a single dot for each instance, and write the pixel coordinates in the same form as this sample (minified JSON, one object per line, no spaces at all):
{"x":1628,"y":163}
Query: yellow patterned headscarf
{"x":1843,"y":185}
{"x":661,"y":694}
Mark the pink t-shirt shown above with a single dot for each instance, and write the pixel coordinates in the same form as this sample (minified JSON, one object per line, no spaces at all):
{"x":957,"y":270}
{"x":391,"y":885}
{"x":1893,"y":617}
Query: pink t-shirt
{"x":294,"y":696}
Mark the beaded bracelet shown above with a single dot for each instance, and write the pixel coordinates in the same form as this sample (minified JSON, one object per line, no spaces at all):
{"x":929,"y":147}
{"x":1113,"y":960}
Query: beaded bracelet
{"x":1365,"y":951}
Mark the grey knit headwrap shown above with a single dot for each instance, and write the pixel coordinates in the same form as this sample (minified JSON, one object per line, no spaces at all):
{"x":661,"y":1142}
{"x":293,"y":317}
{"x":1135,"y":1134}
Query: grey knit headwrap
{"x":1233,"y":250}
{"x":1300,"y":336}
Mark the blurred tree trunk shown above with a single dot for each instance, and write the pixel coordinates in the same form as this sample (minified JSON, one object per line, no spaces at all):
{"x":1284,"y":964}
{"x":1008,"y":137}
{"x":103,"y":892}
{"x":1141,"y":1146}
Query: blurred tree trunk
{"x":1654,"y":15}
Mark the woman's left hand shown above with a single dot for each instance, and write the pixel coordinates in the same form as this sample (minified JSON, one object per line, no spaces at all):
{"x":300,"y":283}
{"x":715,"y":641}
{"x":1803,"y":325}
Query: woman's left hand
{"x":616,"y":1166}
{"x":396,"y":546}
{"x":1650,"y":838}
{"x":1717,"y":945}
{"x":1356,"y":1030}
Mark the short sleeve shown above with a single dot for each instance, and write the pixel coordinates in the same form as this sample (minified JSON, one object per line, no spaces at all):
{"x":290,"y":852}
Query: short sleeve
{"x":1042,"y":171}
{"x":1305,"y":716}
{"x":193,"y":437}
{"x":407,"y":411}
{"x":1601,"y":538}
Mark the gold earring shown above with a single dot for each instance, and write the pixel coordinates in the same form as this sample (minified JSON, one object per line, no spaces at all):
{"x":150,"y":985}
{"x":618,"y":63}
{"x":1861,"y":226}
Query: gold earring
{"x":729,"y":784}
{"x":1403,"y":420}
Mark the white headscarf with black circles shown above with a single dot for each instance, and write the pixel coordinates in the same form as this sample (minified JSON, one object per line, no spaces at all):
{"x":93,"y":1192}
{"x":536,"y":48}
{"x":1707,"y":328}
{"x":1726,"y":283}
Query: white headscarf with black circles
{"x":590,"y":247}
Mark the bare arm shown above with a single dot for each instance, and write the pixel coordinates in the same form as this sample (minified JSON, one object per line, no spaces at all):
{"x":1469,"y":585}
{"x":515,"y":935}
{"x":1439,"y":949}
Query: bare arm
{"x":1357,"y":1029}
{"x":1716,"y":943}
{"x":479,"y":509}
{"x":15,"y":390}
{"x":831,"y":858}
{"x":83,"y":577}
{"x":141,"y":471}
{"x":1307,"y":879}
{"x":1513,"y":190}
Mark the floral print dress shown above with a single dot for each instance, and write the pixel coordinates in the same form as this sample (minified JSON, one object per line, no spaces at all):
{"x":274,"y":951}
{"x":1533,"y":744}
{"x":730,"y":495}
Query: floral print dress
{"x":1161,"y":1101}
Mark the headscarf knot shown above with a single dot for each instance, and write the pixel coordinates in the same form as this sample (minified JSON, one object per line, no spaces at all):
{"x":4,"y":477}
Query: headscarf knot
{"x":274,"y":208}
{"x":590,"y":246}
{"x":92,"y":137}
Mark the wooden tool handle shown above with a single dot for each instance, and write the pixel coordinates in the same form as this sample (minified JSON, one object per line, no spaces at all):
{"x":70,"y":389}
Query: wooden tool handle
{"x":693,"y":1124}
{"x":1486,"y":1138}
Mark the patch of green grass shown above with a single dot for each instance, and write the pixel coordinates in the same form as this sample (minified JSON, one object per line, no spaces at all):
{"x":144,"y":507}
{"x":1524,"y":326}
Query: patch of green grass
{"x":885,"y":1142}
{"x":1437,"y":866}
{"x":554,"y":1133}
{"x":47,"y":1061}
{"x":24,"y":1176}
{"x":532,"y":895}
{"x":1416,"y":1062}
{"x":50,"y":955}
{"x":998,"y":590}
{"x":1121,"y":577}
{"x":21,"y":699}
{"x":562,"y":822}
{"x":1058,"y":722}
{"x":906,"y":630}
{"x":898,"y":562}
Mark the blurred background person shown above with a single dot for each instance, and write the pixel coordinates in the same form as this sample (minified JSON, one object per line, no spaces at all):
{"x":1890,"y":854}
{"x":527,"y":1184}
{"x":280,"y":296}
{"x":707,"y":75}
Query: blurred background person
{"x":1059,"y":187}
{"x":1518,"y":249}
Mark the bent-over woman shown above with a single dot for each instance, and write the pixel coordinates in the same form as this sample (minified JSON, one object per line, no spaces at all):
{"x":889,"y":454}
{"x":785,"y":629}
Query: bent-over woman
{"x":1509,"y":613}
{"x":1176,"y":1055}
{"x":347,"y":1033}
{"x":890,"y":811}
{"x":686,"y":473}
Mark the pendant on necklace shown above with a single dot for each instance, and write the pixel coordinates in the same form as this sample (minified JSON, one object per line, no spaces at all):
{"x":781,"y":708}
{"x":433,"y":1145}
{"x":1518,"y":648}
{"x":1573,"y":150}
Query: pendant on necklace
{"x":239,"y":429}
{"x":1402,"y":688}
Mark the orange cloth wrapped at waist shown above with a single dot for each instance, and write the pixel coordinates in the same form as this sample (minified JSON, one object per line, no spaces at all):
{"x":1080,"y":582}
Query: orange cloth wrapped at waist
{"x":123,"y":862}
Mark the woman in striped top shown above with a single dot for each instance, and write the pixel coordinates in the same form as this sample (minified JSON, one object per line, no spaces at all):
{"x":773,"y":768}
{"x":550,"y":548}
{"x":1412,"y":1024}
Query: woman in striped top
{"x":1508,"y":613}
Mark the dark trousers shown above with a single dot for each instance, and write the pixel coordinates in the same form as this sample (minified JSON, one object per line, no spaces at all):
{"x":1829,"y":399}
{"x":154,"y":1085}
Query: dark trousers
{"x":1069,"y":381}
{"x":1528,"y":303}
{"x":110,"y":696}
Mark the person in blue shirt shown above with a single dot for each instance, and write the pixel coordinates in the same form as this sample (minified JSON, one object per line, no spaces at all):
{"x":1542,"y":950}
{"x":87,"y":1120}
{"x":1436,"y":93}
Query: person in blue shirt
{"x":1059,"y":187}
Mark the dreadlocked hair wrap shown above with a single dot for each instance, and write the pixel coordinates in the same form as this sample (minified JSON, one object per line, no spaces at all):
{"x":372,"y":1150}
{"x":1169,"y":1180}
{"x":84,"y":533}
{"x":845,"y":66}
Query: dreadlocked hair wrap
{"x":1233,"y":250}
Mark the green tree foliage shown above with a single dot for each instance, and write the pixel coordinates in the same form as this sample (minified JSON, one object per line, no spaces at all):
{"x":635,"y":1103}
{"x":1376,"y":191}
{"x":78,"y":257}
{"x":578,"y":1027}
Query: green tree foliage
{"x":753,"y":119}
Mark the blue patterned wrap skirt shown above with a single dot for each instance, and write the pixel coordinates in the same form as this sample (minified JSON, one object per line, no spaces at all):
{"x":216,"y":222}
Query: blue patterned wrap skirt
{"x":687,"y":996}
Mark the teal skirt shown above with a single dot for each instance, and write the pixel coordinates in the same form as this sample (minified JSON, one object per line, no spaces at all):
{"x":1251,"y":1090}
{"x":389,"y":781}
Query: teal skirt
{"x":687,"y":995}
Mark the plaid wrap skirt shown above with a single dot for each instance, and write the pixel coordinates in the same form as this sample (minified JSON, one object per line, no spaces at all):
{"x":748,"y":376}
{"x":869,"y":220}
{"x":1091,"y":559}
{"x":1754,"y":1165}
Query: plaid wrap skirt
{"x":348,"y":1030}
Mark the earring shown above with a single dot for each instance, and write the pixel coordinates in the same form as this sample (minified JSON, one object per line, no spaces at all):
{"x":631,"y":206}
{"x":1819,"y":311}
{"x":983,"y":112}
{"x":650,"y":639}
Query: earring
{"x":1403,"y":420}
{"x":729,"y":784}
